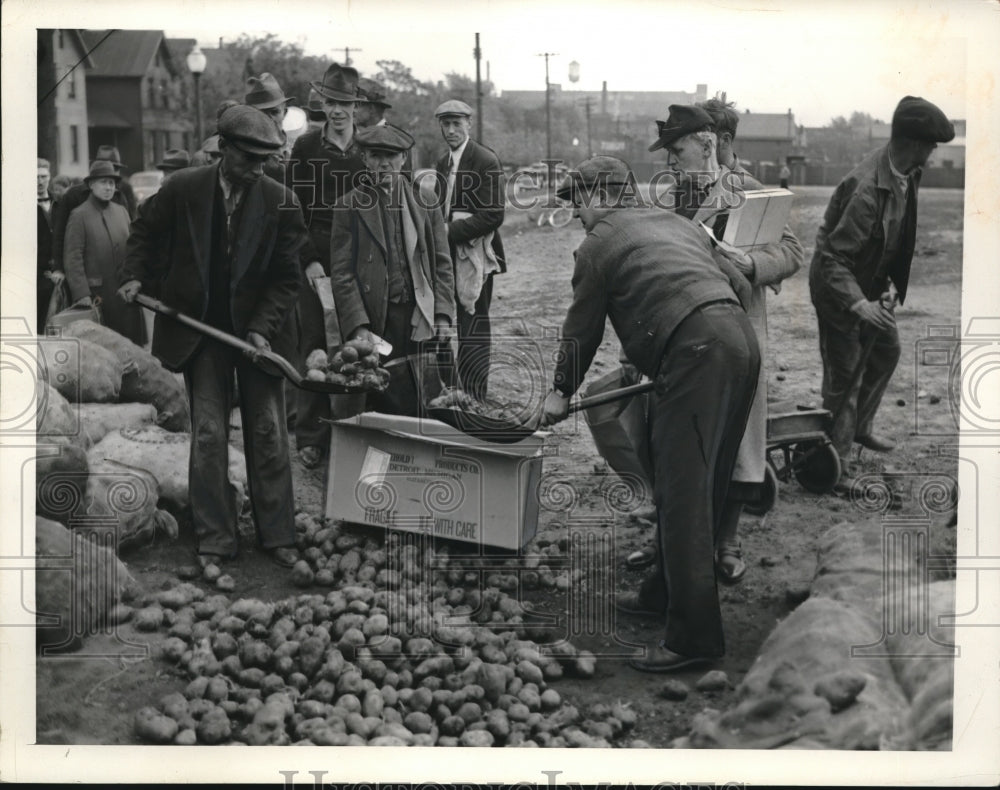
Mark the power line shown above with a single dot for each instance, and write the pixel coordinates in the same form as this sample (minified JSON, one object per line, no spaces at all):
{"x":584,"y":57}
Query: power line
{"x":64,"y":76}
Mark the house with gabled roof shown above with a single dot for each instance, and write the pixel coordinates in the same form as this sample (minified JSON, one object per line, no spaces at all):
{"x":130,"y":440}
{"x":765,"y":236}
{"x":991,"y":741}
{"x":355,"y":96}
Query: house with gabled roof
{"x":138,"y":96}
{"x":62,"y":101}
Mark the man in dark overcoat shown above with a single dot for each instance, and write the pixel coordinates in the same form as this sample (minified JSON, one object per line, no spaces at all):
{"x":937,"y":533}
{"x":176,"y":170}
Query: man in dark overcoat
{"x":234,"y":237}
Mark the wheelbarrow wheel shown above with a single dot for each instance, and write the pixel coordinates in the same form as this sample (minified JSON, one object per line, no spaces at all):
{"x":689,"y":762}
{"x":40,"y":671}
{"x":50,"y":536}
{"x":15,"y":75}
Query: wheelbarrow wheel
{"x":816,"y":465}
{"x":769,"y":494}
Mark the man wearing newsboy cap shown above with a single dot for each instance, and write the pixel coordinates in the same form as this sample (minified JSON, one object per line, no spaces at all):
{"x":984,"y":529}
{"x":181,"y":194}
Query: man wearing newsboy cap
{"x":471,"y":178}
{"x":266,"y":95}
{"x":861,"y":269}
{"x":680,"y":322}
{"x":389,"y":265}
{"x":233,"y":236}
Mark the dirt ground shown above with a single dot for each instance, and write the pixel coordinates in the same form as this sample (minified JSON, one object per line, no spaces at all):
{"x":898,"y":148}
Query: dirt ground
{"x":89,"y":697}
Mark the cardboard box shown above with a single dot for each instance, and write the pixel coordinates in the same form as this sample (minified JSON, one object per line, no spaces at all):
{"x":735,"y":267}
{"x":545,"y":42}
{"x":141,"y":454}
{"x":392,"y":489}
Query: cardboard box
{"x":760,"y":220}
{"x":420,"y":475}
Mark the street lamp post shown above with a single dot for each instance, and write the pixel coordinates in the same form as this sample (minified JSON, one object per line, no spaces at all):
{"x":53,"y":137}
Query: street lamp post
{"x":548,"y":101}
{"x":196,"y":62}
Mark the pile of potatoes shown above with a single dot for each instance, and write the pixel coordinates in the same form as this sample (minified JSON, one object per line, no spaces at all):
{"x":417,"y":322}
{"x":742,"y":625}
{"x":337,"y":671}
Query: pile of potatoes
{"x":355,"y":364}
{"x":392,"y":656}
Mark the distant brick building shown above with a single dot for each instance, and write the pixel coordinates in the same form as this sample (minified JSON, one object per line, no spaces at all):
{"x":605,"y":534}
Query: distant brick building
{"x":138,"y":98}
{"x":62,"y":111}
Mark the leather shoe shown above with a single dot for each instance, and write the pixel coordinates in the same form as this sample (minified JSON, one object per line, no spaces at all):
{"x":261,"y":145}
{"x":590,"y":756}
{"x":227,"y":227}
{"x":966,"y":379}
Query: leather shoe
{"x":285,"y":556}
{"x":879,"y":444}
{"x":633,"y":603}
{"x":844,"y":486}
{"x":729,"y":565}
{"x":310,"y":456}
{"x":659,"y":659}
{"x":642,"y":558}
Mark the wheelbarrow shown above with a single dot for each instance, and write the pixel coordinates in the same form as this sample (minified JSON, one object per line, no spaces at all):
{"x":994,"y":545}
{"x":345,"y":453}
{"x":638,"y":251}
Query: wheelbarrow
{"x":798,"y":445}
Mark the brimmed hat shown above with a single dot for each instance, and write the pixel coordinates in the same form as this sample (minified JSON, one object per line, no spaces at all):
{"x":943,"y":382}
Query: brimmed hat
{"x":211,"y":145}
{"x":102,"y":168}
{"x":314,"y":109}
{"x":174,"y":159}
{"x":264,"y":92}
{"x":340,"y":83}
{"x":683,"y":119}
{"x":109,"y":153}
{"x":386,"y":138}
{"x":373,"y":92}
{"x":597,"y":171}
{"x":250,"y":130}
{"x":918,"y":119}
{"x":453,"y":107}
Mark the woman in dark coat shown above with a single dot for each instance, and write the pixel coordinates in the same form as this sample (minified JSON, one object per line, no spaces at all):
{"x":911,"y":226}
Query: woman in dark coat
{"x":95,"y":250}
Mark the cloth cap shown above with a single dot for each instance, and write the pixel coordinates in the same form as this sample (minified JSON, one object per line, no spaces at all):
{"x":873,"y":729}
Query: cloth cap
{"x":102,"y":168}
{"x":918,"y":119}
{"x":250,"y":130}
{"x":592,"y":173}
{"x":174,"y":159}
{"x":681,"y":120}
{"x":264,"y":92}
{"x":386,"y":138}
{"x":339,"y":83}
{"x":211,"y":145}
{"x":453,"y":107}
{"x":373,"y":92}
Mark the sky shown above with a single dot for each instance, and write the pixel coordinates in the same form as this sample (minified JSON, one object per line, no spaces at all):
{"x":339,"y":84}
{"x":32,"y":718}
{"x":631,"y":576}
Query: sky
{"x":813,"y":58}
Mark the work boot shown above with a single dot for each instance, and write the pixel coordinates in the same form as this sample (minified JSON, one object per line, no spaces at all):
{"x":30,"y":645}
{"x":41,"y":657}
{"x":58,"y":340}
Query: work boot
{"x":879,"y":444}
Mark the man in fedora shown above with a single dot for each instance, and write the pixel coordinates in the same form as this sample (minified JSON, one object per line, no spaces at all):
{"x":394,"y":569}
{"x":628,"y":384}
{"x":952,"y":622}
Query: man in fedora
{"x":390,"y":269}
{"x":681,"y":323}
{"x":266,"y":95}
{"x":78,"y":194}
{"x":372,"y":111}
{"x":860,"y":271}
{"x":324,"y":166}
{"x":233,"y":237}
{"x":473,"y":203}
{"x":174,"y":159}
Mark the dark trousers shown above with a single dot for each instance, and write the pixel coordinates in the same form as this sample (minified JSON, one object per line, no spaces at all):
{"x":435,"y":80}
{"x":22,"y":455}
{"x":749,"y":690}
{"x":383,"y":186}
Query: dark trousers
{"x":855,"y":409}
{"x":401,"y":396}
{"x":474,"y":338}
{"x":209,"y":380}
{"x":698,"y":412}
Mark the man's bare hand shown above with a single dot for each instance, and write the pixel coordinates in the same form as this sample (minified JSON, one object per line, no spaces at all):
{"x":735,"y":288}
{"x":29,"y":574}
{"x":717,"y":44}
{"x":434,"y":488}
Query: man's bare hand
{"x":362,"y":333}
{"x":876,"y":314}
{"x":259,"y":343}
{"x":740,"y":259}
{"x":555,"y":409}
{"x":86,"y":301}
{"x":443,"y":330}
{"x":314,"y":271}
{"x":55,"y":275}
{"x":129,"y":290}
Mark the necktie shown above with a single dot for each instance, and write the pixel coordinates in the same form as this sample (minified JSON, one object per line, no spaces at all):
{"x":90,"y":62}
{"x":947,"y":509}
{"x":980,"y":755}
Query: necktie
{"x":451,"y":185}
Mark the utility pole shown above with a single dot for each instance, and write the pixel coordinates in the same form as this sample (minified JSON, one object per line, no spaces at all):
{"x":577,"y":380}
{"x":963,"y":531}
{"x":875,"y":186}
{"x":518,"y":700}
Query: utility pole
{"x":479,"y":93}
{"x":347,"y":54}
{"x":548,"y":102}
{"x":590,"y":150}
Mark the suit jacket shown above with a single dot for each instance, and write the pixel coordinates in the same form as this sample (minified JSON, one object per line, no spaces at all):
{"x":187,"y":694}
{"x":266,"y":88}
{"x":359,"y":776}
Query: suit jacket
{"x":358,"y":269}
{"x":264,"y":276}
{"x":94,"y":249}
{"x":479,"y":191}
{"x":859,"y":242}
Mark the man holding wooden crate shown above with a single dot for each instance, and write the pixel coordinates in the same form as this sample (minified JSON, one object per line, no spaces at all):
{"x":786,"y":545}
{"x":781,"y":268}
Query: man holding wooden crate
{"x":710,"y":194}
{"x":861,"y":268}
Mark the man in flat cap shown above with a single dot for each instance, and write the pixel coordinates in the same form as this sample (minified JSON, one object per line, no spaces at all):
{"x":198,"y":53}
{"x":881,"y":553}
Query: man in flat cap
{"x":234,"y":237}
{"x":861,"y":269}
{"x":707,"y":186}
{"x":654,"y":274}
{"x":371,"y":112}
{"x":324,"y":166}
{"x":266,"y":95}
{"x":389,"y":264}
{"x":473,"y":203}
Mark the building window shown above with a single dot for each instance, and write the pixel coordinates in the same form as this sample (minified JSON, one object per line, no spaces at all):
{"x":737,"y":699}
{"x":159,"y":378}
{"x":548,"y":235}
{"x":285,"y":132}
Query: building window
{"x":165,"y":94}
{"x":151,"y":99}
{"x":74,"y":144}
{"x":148,"y":154}
{"x":60,"y":39}
{"x":72,"y":84}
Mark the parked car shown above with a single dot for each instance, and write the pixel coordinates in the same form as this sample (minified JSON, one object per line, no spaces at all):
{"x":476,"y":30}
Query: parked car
{"x":145,"y":183}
